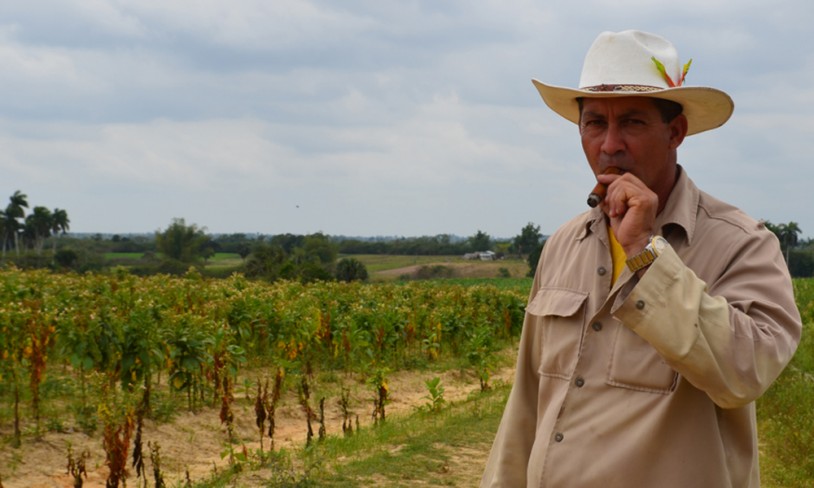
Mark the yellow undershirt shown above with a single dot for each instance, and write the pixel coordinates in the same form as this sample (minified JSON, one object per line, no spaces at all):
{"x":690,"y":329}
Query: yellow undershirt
{"x":617,"y":256}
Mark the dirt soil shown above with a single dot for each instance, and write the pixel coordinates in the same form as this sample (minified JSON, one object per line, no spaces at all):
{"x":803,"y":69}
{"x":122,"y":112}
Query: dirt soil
{"x":464,"y":269}
{"x":193,"y":442}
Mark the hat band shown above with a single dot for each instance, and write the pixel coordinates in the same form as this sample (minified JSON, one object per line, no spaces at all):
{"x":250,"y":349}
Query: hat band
{"x":622,"y":88}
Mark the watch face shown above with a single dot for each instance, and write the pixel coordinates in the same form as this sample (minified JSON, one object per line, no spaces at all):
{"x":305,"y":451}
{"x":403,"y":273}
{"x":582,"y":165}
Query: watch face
{"x":659,"y":244}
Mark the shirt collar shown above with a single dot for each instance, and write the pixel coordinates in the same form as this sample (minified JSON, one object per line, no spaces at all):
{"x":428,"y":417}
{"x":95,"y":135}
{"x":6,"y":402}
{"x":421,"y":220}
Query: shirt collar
{"x":681,"y":209}
{"x":679,"y":213}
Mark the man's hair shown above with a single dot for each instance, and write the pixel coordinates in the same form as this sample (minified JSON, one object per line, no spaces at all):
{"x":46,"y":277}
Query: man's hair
{"x":667,"y":108}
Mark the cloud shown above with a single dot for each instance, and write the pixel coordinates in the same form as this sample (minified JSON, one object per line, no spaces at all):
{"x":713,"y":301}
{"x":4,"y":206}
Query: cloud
{"x":375,"y":117}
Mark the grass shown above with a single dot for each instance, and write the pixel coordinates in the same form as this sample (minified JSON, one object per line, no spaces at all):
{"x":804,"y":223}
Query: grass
{"x":786,"y":411}
{"x":447,"y":447}
{"x":224,"y":258}
{"x":786,"y":430}
{"x":224,"y":261}
{"x":380,"y":267}
{"x":123,"y":256}
{"x":383,"y":267}
{"x":385,"y":262}
{"x":220,"y":265}
{"x":425,"y":448}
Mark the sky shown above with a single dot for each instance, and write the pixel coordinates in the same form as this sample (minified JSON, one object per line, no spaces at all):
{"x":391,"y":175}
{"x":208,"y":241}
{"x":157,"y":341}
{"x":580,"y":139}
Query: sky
{"x":372,"y":117}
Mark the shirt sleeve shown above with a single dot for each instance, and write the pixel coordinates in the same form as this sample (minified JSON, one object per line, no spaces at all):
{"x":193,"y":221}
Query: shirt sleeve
{"x":731,"y":338}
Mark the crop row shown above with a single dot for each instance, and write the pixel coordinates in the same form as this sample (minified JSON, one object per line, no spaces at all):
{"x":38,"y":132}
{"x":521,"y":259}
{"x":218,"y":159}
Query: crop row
{"x":128,"y":332}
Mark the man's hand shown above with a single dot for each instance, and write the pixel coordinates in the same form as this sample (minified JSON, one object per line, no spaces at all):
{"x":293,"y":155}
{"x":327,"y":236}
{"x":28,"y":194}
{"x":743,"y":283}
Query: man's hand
{"x":631,"y":208}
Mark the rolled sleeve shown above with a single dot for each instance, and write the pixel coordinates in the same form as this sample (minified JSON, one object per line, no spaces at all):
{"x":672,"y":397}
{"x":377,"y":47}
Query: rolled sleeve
{"x":651,"y":309}
{"x":733,"y":353}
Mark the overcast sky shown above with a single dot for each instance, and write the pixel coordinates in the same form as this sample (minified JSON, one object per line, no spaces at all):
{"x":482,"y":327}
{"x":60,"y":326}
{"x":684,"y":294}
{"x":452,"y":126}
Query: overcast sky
{"x":372,"y":117}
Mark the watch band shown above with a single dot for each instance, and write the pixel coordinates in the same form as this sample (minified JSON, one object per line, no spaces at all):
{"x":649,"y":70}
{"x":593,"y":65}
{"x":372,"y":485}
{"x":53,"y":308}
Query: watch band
{"x":644,"y":258}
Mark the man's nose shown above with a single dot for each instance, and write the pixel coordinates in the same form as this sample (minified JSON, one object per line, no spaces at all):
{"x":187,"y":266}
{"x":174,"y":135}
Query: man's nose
{"x":613,"y":141}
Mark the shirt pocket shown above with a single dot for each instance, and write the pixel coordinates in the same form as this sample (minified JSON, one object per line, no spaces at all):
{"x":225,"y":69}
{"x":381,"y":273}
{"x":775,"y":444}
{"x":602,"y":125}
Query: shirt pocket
{"x":635,"y":364}
{"x":560,"y":314}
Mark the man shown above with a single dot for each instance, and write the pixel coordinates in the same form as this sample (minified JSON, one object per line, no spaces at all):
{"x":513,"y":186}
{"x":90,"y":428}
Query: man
{"x":655,"y":319}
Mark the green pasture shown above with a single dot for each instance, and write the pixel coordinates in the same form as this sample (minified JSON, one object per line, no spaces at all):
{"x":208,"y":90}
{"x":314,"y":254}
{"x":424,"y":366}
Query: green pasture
{"x":380,"y":267}
{"x":786,"y":412}
{"x":384,"y":262}
{"x":383,"y":267}
{"x":220,"y":257}
{"x":123,"y":256}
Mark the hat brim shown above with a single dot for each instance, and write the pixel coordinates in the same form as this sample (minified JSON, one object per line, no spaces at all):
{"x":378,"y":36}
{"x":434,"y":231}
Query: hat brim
{"x":705,"y":108}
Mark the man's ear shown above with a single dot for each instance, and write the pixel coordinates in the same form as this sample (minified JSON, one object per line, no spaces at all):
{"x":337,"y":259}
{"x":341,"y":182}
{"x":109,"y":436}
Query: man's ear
{"x":678,"y":130}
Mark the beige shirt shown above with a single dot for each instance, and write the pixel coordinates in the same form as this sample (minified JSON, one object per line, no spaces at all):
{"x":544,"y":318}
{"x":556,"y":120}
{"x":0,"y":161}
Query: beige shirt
{"x":651,"y":383}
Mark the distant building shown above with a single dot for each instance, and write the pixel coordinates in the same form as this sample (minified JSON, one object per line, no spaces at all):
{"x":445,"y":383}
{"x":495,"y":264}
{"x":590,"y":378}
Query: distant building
{"x":482,"y":255}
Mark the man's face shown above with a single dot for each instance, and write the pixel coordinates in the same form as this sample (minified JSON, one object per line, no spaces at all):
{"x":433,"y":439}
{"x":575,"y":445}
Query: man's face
{"x":629,"y":133}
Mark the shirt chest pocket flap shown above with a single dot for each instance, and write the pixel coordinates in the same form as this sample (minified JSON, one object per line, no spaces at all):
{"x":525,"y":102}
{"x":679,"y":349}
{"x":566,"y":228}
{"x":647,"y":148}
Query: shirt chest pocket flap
{"x":560,"y":315}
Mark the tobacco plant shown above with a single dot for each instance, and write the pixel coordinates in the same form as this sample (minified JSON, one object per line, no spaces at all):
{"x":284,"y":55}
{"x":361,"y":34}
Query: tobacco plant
{"x":435,"y":394}
{"x":378,"y":382}
{"x":76,"y":467}
{"x":155,"y":459}
{"x":117,"y":416}
{"x":305,"y":395}
{"x":271,"y":404}
{"x":138,"y":448}
{"x":344,"y":404}
{"x":260,"y":414}
{"x":227,"y":418}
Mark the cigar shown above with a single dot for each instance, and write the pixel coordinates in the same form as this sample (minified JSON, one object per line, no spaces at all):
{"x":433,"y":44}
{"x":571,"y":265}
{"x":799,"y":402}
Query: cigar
{"x":599,"y":191}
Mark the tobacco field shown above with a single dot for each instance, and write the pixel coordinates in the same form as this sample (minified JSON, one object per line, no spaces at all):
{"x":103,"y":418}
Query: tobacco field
{"x":104,"y":354}
{"x":103,"y":370}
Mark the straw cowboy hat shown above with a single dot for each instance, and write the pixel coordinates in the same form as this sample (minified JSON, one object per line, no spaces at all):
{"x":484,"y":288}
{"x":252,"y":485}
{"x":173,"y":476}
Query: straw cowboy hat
{"x":635,"y":63}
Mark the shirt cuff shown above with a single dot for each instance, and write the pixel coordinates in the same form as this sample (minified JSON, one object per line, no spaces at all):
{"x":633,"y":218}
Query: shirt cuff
{"x":652,"y":306}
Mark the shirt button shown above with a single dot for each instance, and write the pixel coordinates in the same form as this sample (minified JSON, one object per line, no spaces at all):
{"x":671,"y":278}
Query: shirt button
{"x":579,"y":382}
{"x":558,"y":437}
{"x":640,"y":304}
{"x":597,"y":326}
{"x":601,"y":271}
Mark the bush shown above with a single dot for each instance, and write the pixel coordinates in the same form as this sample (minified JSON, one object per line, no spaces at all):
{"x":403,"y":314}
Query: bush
{"x":534,"y":258}
{"x":66,"y":258}
{"x":801,"y":264}
{"x":434,"y":272}
{"x":350,"y":269}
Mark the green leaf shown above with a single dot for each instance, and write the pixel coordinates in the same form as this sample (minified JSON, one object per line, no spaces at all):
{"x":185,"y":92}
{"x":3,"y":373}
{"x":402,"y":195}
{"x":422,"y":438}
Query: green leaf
{"x":684,"y":72}
{"x":663,"y":71}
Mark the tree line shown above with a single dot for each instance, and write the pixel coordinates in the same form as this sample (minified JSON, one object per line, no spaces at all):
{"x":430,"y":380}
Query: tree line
{"x":314,"y":257}
{"x":799,"y":253}
{"x":288,"y":256}
{"x":23,"y":238}
{"x":29,"y":231}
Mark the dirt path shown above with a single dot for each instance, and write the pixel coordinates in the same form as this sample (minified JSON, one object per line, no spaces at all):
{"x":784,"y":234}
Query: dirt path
{"x":193,"y":442}
{"x":462,"y":269}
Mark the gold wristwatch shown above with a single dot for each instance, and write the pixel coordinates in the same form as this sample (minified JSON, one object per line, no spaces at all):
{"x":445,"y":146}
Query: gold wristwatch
{"x":649,"y":254}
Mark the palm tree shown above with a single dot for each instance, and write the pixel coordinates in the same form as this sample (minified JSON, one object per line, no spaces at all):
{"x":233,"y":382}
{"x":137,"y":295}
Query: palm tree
{"x":38,"y":226}
{"x":14,"y":211}
{"x":3,"y":233}
{"x":59,"y":224}
{"x":788,"y":237}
